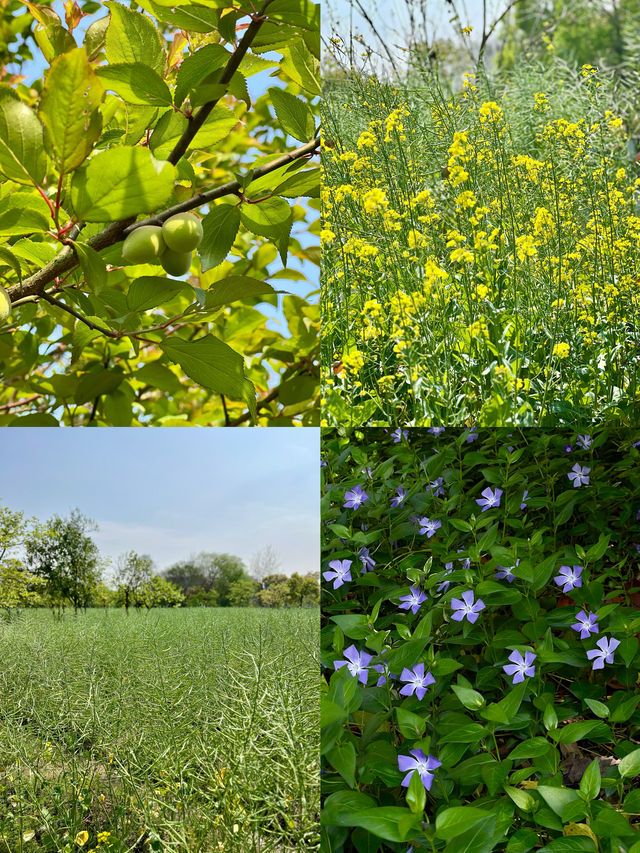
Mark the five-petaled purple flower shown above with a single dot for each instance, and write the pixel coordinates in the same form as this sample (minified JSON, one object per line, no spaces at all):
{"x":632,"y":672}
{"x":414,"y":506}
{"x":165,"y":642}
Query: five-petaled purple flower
{"x":354,"y":498}
{"x":423,"y":764}
{"x":398,"y":434}
{"x":525,"y":497}
{"x":491,"y":499}
{"x":568,"y":448}
{"x":429,"y":526}
{"x":436,"y":430}
{"x":341,"y":572}
{"x":506,"y":573}
{"x":520,"y":666}
{"x":436,"y":487}
{"x":368,"y":563}
{"x":569,"y":578}
{"x":418,"y":680}
{"x":579,"y":476}
{"x":399,"y":497}
{"x":444,"y":586}
{"x":586,"y":623}
{"x":356,"y":662}
{"x":414,"y":600}
{"x":604,"y":652}
{"x":471,"y":437}
{"x":584,"y":441}
{"x":383,"y":669}
{"x":466,"y":607}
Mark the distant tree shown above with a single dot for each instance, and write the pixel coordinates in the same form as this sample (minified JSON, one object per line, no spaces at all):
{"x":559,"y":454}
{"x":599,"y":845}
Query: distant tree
{"x":264,"y":562}
{"x":242,"y":591}
{"x":103,"y":596}
{"x":303,"y":589}
{"x":274,"y":591}
{"x":64,"y":554}
{"x":132,"y":573}
{"x":188,"y":576}
{"x":200,"y":597}
{"x":18,"y":587}
{"x":159,"y":592}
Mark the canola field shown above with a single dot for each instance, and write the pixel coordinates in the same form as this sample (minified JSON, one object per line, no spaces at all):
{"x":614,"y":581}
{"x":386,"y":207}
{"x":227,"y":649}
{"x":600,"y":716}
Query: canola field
{"x":481,"y":251}
{"x":191,"y":730}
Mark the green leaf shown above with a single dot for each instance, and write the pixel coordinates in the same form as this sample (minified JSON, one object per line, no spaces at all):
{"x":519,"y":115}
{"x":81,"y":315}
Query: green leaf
{"x":471,"y":699}
{"x":168,"y":130}
{"x":388,"y":822}
{"x":590,"y":782}
{"x":343,"y":759}
{"x":630,"y":764}
{"x":195,"y":18}
{"x":97,"y":382}
{"x":22,"y":156}
{"x":340,"y":807}
{"x":40,"y":419}
{"x":95,"y":37}
{"x":416,"y":794}
{"x":132,"y":37}
{"x":92,"y":265}
{"x":69,"y":109}
{"x":158,"y":376}
{"x":293,"y":114}
{"x":454,"y":821}
{"x":197,"y":67}
{"x":598,"y":708}
{"x":220,"y":123}
{"x":120,"y":183}
{"x":136,"y":83}
{"x":557,"y":798}
{"x":8,"y":257}
{"x":220,"y":228}
{"x":53,"y":40}
{"x":411,"y":725}
{"x":577,"y":731}
{"x":298,"y":64}
{"x":236,"y":287}
{"x":471,"y":733}
{"x":149,"y":291}
{"x":15,"y":218}
{"x":352,"y":625}
{"x":531,"y":748}
{"x":522,"y":799}
{"x":480,"y":838}
{"x":268,"y":218}
{"x":214,"y":365}
{"x":304,"y":184}
{"x":505,"y":710}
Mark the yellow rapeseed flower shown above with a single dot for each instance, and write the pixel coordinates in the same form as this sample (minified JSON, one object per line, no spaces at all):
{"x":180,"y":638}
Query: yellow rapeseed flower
{"x":82,"y":838}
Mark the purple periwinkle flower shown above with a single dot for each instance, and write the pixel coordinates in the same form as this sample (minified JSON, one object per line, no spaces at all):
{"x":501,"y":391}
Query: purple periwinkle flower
{"x":436,"y":430}
{"x":584,"y":441}
{"x":429,"y":526}
{"x":466,"y":561}
{"x":383,"y":669}
{"x":436,"y":487}
{"x":568,"y":448}
{"x":525,"y":497}
{"x":414,"y":600}
{"x":491,"y":499}
{"x":341,"y":572}
{"x":471,"y":437}
{"x":586,"y":623}
{"x":506,"y":573}
{"x":399,"y":434}
{"x":444,"y":586}
{"x":466,"y":607}
{"x":579,"y":476}
{"x":520,"y":666}
{"x":368,"y":563}
{"x":355,"y":497}
{"x":398,"y":500}
{"x":636,"y":444}
{"x":418,"y":681}
{"x":418,"y":762}
{"x":569,"y":578}
{"x":356,"y":662}
{"x":604,"y":652}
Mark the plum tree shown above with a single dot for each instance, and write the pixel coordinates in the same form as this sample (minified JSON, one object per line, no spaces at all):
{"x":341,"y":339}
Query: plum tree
{"x":176,"y":263}
{"x":182,"y":232}
{"x":144,"y":245}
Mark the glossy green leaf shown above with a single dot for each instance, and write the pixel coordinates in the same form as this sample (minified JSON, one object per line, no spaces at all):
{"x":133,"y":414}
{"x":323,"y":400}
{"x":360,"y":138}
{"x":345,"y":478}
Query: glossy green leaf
{"x":22,"y":156}
{"x":454,"y":821}
{"x":132,"y":37}
{"x":136,"y":83}
{"x":293,"y":114}
{"x":220,"y":228}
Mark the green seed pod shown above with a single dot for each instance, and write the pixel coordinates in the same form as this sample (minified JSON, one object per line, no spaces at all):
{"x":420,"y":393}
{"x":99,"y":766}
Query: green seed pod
{"x":144,"y":245}
{"x":182,"y":232}
{"x":5,"y":305}
{"x":176,"y":263}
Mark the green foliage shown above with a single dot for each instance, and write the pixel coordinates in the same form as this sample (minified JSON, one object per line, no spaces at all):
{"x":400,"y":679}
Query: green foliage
{"x":547,"y":760}
{"x":147,"y":117}
{"x":197,"y":727}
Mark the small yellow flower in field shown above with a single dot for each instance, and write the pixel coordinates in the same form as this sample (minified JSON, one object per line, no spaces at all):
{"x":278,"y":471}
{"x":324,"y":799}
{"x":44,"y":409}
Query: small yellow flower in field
{"x":482,"y":291}
{"x":561,"y":350}
{"x":613,"y":121}
{"x":367,"y":140}
{"x":588,"y":70}
{"x":461,"y":255}
{"x":490,"y":112}
{"x":374,"y":200}
{"x":326,"y":235}
{"x":82,"y":838}
{"x":466,"y":199}
{"x":542,"y":103}
{"x":525,"y":247}
{"x":467,"y":30}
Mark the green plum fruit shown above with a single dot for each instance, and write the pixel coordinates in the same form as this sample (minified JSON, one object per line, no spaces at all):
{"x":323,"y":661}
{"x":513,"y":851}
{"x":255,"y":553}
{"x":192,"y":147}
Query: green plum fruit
{"x":182,"y":232}
{"x":144,"y":245}
{"x":5,"y":305}
{"x":176,"y":263}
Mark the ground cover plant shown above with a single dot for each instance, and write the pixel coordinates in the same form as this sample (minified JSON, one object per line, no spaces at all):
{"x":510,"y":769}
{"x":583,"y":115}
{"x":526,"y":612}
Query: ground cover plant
{"x":158,"y":224}
{"x":193,"y":730}
{"x":480,"y":622}
{"x":481,"y":247}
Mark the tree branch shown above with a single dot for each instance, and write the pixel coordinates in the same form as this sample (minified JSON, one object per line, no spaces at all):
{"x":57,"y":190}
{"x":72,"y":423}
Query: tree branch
{"x":116,"y":231}
{"x":196,"y":121}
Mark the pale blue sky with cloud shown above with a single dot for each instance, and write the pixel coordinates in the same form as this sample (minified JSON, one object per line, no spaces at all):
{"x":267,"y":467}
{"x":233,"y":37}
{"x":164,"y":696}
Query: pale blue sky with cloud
{"x":172,"y":492}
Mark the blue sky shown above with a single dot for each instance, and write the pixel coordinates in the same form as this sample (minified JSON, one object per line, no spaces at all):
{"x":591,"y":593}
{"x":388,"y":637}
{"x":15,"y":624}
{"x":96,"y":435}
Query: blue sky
{"x":172,"y":492}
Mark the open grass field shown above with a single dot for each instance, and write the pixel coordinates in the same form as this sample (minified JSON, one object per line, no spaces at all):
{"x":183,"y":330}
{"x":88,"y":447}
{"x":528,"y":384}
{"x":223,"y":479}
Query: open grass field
{"x":481,"y":249}
{"x":191,"y":730}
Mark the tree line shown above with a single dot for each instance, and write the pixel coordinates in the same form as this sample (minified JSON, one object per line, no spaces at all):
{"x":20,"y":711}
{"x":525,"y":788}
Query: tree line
{"x":57,"y":564}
